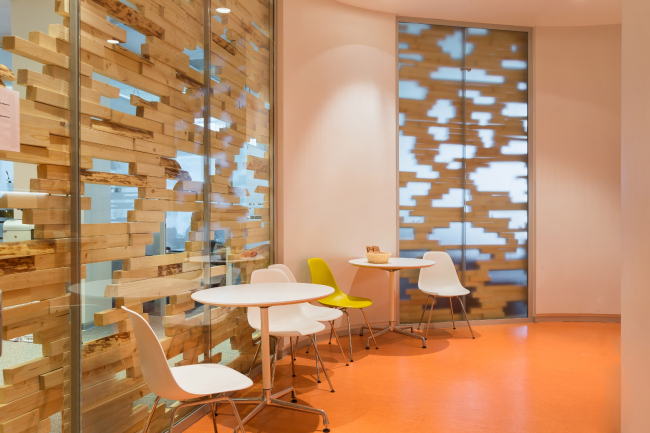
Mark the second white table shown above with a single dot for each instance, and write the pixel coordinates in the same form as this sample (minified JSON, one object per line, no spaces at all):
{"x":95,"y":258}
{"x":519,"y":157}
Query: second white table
{"x":264,"y":296}
{"x":394,"y":264}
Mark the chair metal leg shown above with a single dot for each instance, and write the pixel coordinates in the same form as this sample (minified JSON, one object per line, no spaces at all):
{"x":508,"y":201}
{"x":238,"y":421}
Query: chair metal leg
{"x":369,"y":329}
{"x":424,"y":310}
{"x":234,"y":409}
{"x":465,"y":314}
{"x":153,"y":410}
{"x":257,"y":351}
{"x":318,"y":358}
{"x":214,"y":416}
{"x":331,"y":330}
{"x":433,"y":302}
{"x":275,"y":358}
{"x":308,"y":347}
{"x":339,"y":343}
{"x":293,"y":366}
{"x":451,"y":307}
{"x":313,"y":341}
{"x":171,"y":422}
{"x":295,"y":352}
{"x":349,"y":334}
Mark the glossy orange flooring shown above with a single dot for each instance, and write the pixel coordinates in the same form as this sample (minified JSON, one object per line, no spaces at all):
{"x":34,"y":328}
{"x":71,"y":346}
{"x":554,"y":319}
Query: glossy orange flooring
{"x":534,"y":378}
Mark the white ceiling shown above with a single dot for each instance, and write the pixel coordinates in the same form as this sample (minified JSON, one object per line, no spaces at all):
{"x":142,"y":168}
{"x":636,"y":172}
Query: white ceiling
{"x":526,"y":13}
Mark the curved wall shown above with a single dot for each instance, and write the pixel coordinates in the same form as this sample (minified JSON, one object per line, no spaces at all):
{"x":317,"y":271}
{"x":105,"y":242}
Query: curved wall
{"x":337,"y":173}
{"x":337,"y":157}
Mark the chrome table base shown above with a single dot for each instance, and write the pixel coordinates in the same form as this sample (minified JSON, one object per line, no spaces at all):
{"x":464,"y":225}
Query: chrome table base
{"x":398,"y":329}
{"x":269,"y":399}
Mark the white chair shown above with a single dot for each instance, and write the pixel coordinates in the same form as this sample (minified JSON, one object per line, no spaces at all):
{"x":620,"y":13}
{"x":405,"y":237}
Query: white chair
{"x":285,"y":321}
{"x":441,"y":280}
{"x":319,"y":314}
{"x":201,"y":383}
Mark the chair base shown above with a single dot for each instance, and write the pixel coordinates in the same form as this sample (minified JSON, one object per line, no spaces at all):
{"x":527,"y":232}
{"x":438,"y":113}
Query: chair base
{"x":267,"y":399}
{"x":398,"y":329}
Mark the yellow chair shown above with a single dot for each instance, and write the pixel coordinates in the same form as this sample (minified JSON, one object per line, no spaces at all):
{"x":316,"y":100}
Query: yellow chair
{"x":322,"y":274}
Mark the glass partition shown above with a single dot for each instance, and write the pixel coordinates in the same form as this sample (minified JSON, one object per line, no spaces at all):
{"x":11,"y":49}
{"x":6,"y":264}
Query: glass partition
{"x":463,"y":164}
{"x":35,"y":187}
{"x":176,"y":148}
{"x":240,"y":166}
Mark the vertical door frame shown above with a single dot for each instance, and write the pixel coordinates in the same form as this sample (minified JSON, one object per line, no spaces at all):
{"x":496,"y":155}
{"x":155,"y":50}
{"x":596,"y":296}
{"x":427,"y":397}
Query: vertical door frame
{"x":75,"y":218}
{"x":531,"y":156}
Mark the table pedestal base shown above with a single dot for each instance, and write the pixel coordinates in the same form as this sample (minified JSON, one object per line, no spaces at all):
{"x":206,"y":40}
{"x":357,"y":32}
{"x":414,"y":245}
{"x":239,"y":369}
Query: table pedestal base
{"x":268,"y":399}
{"x":398,"y":329}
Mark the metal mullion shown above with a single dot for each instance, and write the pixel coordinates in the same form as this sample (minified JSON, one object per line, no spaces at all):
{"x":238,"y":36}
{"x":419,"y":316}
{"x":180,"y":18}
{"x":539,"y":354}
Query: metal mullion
{"x":464,"y":170}
{"x":75,"y":217}
{"x":273,"y":134}
{"x":207,"y":115}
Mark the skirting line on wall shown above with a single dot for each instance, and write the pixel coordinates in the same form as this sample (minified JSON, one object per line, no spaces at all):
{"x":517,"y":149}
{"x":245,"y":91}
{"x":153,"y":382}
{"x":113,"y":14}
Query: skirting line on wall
{"x":607,"y":318}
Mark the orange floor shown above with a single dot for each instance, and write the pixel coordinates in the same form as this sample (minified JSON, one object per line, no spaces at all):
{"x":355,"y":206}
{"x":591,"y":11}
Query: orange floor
{"x":537,"y":378}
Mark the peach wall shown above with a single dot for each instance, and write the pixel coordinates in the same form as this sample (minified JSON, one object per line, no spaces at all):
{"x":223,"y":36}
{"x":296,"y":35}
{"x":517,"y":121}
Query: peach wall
{"x":578,"y":126}
{"x":337,"y":155}
{"x":636,"y":224}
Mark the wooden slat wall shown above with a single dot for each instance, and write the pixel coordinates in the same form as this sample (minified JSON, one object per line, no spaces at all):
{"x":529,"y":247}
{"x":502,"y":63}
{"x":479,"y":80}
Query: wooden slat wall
{"x":33,"y":274}
{"x":427,"y":50}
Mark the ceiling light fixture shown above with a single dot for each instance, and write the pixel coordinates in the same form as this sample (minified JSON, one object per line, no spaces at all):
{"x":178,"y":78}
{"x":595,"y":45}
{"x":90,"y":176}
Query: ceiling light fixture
{"x":113,"y":41}
{"x":223,"y":10}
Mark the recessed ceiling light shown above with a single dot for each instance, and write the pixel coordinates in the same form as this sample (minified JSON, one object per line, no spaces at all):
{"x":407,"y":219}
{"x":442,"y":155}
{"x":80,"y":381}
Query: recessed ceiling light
{"x":223,"y":10}
{"x":113,"y":41}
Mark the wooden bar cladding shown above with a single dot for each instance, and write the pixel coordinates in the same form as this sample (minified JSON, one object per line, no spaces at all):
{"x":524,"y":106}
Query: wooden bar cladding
{"x":142,"y":146}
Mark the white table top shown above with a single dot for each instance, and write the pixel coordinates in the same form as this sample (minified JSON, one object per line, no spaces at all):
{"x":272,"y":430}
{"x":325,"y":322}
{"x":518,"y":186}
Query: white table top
{"x":394,"y":263}
{"x":262,"y":295}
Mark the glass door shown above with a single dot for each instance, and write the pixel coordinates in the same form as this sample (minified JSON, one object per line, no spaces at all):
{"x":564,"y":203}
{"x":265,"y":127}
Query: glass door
{"x":463,"y":155}
{"x":175,"y":186}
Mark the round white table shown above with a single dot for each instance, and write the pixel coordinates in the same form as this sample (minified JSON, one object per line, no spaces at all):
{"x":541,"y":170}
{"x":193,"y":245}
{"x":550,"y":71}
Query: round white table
{"x":264,"y":296}
{"x":394,"y":264}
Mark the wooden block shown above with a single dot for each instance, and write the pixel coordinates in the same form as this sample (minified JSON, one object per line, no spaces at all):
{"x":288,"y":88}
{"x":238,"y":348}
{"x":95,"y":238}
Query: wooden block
{"x":39,"y":54}
{"x":22,"y":313}
{"x":138,"y":227}
{"x":154,"y":288}
{"x":46,"y":216}
{"x":41,"y":323}
{"x":56,"y":347}
{"x":114,"y":315}
{"x":110,"y":254}
{"x":124,"y":131}
{"x":52,"y":186}
{"x":145,"y":216}
{"x":146,"y":170}
{"x":10,"y":393}
{"x":26,"y":422}
{"x":31,"y":78}
{"x":136,"y":122}
{"x":51,"y":379}
{"x":25,"y":248}
{"x":188,"y":186}
{"x":31,"y":369}
{"x":104,"y":344}
{"x":32,"y":294}
{"x":96,"y":136}
{"x":47,"y":401}
{"x":113,"y":179}
{"x":131,"y":18}
{"x":155,"y":148}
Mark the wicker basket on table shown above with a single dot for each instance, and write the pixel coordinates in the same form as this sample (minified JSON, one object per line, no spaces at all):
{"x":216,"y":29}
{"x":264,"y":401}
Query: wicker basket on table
{"x":380,"y":258}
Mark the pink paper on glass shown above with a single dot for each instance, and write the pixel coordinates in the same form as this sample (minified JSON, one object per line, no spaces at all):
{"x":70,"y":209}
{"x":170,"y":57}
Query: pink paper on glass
{"x":9,"y":120}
